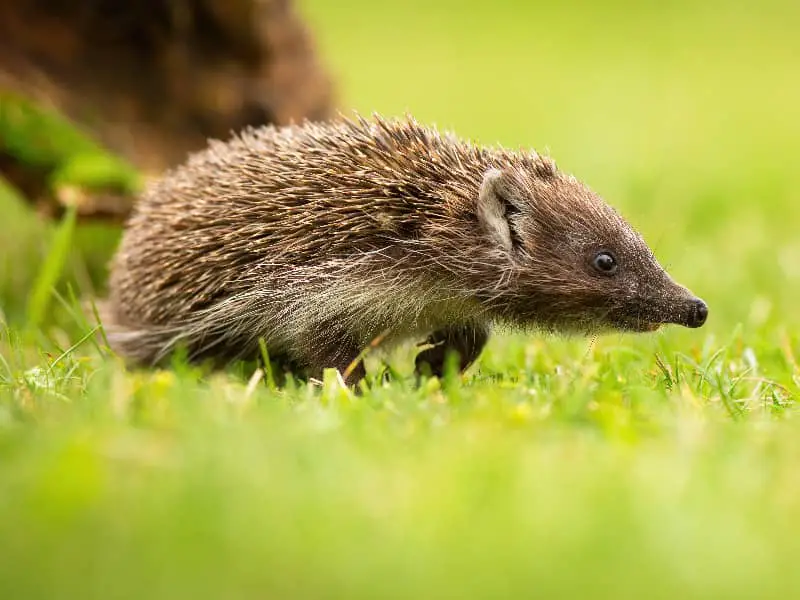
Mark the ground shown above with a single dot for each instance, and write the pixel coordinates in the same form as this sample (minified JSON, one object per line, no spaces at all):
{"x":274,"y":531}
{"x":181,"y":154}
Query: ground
{"x":628,"y":466}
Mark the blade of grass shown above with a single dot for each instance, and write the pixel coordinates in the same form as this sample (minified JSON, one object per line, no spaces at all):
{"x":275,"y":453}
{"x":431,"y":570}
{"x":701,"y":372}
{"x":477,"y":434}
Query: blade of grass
{"x":96,"y":314}
{"x":270,"y":379}
{"x":39,"y":299}
{"x":74,"y":309}
{"x":72,"y":348}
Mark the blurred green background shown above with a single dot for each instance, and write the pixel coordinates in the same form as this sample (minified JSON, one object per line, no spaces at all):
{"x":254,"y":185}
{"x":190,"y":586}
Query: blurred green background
{"x":649,"y":466}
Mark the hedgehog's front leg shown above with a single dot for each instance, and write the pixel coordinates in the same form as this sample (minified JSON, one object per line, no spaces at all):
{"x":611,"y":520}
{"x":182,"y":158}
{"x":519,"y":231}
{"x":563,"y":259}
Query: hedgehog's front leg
{"x":465,"y":340}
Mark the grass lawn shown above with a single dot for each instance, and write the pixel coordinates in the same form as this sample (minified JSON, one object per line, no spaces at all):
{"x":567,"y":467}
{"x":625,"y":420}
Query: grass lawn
{"x":649,"y":466}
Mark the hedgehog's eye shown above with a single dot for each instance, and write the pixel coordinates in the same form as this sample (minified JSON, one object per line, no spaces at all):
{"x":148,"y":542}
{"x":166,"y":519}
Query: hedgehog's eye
{"x":605,"y":263}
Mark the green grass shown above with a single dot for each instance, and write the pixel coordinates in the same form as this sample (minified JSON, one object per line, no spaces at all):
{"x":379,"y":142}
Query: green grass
{"x":654,"y":466}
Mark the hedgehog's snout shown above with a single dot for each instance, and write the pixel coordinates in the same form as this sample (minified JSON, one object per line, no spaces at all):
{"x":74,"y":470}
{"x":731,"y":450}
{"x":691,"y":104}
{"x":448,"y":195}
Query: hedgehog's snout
{"x":689,"y":311}
{"x":697,"y":313}
{"x":675,"y":304}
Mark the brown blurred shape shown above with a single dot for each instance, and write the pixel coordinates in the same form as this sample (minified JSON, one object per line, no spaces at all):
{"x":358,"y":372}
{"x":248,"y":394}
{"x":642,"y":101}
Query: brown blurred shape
{"x":153,"y":79}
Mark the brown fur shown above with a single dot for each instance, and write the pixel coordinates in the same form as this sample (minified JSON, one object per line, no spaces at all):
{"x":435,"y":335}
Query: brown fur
{"x":321,"y":237}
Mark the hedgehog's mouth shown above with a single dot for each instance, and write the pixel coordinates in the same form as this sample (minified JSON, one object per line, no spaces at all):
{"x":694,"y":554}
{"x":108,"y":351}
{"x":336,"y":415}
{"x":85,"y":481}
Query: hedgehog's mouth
{"x":647,"y":317}
{"x":638,"y":325}
{"x":647,"y":326}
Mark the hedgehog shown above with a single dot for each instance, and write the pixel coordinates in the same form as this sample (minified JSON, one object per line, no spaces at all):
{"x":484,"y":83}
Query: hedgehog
{"x":317,"y":239}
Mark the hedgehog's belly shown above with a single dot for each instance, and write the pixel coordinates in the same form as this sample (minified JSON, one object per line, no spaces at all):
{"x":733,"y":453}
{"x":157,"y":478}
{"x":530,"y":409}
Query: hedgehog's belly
{"x":362,"y":315}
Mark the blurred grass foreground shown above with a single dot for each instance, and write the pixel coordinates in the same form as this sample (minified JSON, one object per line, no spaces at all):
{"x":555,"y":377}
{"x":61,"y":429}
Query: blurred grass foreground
{"x":653,"y":466}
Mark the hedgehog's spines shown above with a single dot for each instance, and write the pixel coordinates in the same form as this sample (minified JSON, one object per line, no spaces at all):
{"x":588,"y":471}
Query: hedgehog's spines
{"x":306,"y":234}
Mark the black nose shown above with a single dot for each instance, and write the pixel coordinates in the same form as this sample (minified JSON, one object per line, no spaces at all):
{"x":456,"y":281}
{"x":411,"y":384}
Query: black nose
{"x":698,"y":313}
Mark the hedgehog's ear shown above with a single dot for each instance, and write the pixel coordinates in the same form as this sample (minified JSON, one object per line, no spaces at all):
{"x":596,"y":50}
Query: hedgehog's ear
{"x":492,"y":208}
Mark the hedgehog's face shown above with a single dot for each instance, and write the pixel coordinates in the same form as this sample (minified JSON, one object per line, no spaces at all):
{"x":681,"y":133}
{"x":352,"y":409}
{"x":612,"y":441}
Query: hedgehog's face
{"x":578,"y":266}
